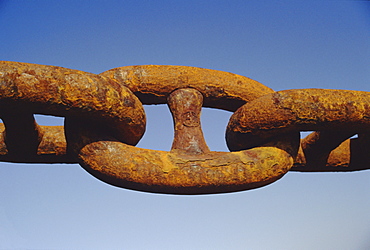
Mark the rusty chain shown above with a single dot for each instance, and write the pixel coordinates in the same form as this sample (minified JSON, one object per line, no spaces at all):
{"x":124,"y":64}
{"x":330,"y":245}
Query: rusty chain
{"x":105,"y":119}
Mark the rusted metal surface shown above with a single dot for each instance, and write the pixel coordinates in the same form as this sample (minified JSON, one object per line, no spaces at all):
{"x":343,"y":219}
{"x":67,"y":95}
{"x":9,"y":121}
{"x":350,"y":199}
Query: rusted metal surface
{"x":169,"y":172}
{"x":190,"y":167}
{"x":337,"y":114}
{"x":26,"y":89}
{"x":185,"y":106}
{"x":153,"y":83}
{"x":104,"y":119}
{"x":65,"y":92}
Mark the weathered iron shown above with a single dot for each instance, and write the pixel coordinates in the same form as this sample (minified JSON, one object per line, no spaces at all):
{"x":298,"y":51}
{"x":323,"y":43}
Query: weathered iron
{"x":26,"y":89}
{"x":104,"y":119}
{"x":337,"y":114}
{"x":153,"y":83}
{"x":190,"y":167}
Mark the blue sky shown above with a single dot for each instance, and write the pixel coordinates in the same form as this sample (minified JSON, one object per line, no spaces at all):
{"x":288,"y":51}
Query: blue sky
{"x":282,"y":44}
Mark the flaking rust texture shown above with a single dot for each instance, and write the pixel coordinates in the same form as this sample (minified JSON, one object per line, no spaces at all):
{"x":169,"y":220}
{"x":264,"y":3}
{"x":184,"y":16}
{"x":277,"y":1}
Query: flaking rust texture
{"x":185,"y":106}
{"x":26,"y":89}
{"x":153,"y":83}
{"x":71,"y":93}
{"x":104,"y":118}
{"x":190,"y":167}
{"x":168,"y":172}
{"x":337,"y":114}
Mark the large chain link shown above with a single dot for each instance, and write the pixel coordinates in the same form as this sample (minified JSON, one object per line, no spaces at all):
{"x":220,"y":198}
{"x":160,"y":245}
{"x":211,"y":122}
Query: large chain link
{"x":104,"y":120}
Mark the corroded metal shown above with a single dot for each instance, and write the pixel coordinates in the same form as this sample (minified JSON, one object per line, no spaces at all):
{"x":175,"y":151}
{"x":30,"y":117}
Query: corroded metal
{"x":190,"y":167}
{"x":104,"y":118}
{"x":185,"y":106}
{"x":169,"y":172}
{"x":26,"y":89}
{"x":153,"y":83}
{"x":337,"y":114}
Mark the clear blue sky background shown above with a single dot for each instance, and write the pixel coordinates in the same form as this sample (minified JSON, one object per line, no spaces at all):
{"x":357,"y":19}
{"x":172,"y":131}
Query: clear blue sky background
{"x":282,"y":44}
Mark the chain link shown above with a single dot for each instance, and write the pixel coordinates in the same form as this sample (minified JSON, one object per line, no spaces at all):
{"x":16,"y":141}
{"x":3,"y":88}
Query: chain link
{"x":336,"y":114}
{"x":104,"y":120}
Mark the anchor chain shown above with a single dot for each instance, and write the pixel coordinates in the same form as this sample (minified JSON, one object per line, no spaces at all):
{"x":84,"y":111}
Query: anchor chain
{"x":105,"y":119}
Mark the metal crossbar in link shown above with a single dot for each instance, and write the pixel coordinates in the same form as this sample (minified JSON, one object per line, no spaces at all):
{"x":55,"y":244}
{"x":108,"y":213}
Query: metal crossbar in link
{"x":105,"y":119}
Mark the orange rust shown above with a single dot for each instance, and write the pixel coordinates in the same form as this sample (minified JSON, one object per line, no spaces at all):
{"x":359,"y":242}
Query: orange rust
{"x":190,"y":168}
{"x":153,"y":83}
{"x":337,"y":114}
{"x":101,"y":112}
{"x":169,"y":172}
{"x":71,"y":93}
{"x":298,"y":110}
